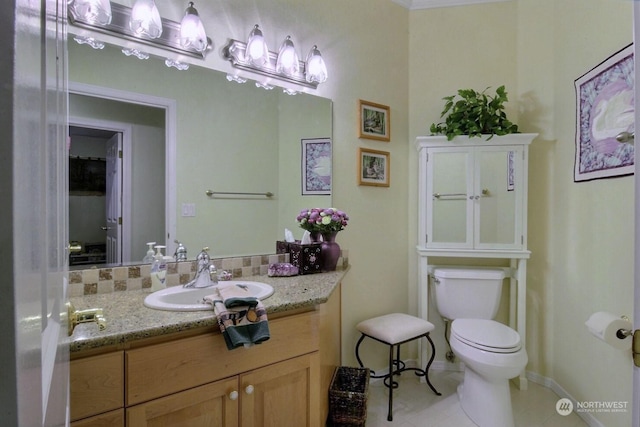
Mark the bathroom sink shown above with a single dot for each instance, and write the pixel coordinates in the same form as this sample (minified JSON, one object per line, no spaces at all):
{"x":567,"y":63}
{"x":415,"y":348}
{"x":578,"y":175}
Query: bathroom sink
{"x":177,"y":298}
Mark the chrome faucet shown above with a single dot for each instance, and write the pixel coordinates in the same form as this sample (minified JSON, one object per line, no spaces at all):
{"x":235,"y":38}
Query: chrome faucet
{"x":204,"y":272}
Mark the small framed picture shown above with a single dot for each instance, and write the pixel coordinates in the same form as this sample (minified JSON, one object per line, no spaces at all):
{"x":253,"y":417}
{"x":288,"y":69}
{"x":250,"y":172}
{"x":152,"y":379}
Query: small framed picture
{"x":316,"y":166}
{"x":373,"y":167}
{"x":375,"y":121}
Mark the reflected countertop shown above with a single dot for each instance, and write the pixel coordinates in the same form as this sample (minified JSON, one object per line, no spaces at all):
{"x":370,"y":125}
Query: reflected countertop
{"x":129,"y":320}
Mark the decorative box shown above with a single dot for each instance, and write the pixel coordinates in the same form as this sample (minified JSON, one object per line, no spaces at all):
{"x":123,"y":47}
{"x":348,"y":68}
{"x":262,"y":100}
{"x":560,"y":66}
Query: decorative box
{"x":282,"y":269}
{"x":305,"y":257}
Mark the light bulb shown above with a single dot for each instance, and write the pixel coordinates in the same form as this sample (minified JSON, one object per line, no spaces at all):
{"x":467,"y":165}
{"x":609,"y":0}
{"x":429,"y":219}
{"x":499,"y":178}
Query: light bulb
{"x":145,"y":19}
{"x":288,"y":62}
{"x":257,"y":51}
{"x":316,"y":70}
{"x":192,"y":34}
{"x":93,"y":11}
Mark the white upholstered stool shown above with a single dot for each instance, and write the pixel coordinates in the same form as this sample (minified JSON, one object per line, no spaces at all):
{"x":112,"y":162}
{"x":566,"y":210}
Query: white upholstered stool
{"x":393,"y":330}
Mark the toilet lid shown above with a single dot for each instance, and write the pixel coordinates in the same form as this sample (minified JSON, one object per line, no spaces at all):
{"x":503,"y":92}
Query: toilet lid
{"x":487,"y":335}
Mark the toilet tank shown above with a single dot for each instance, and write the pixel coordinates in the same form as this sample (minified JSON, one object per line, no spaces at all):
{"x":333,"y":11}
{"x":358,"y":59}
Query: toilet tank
{"x":472,"y":293}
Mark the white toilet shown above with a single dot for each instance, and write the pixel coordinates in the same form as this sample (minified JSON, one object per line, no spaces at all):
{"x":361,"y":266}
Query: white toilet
{"x":491,"y":351}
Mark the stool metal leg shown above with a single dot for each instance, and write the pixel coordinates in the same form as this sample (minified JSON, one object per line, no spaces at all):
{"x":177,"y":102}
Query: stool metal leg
{"x":397,"y":366}
{"x":426,"y":369}
{"x":392,"y":384}
{"x":358,"y":349}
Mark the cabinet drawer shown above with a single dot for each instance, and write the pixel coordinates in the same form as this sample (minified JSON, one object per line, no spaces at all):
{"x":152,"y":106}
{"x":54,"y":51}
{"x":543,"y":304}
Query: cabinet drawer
{"x":96,"y":384}
{"x":166,"y":368}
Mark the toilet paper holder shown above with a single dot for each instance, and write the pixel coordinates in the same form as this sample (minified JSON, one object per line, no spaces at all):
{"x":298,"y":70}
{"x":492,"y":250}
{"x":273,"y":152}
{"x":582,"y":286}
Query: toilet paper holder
{"x":635,"y":343}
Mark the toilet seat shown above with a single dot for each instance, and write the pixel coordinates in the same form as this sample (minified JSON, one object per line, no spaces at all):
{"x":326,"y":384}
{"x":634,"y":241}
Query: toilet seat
{"x":487,"y":335}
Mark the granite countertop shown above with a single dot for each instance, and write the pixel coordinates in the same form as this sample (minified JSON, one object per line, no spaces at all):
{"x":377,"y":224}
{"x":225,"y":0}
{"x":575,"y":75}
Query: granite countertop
{"x":129,"y":320}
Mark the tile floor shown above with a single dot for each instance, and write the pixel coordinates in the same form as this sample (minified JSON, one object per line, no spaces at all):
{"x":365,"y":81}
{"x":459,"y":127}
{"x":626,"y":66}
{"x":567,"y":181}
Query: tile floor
{"x":416,"y":406}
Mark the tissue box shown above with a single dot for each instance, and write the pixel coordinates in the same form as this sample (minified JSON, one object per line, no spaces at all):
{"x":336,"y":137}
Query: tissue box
{"x":305,"y":257}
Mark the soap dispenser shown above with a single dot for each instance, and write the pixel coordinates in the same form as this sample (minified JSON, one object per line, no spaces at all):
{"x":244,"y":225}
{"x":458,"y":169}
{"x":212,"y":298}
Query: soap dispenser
{"x":149,"y":257}
{"x":158,"y":270}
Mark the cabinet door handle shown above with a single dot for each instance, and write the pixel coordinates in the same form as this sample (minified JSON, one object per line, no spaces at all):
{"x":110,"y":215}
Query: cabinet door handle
{"x":249,"y":389}
{"x":233,"y":395}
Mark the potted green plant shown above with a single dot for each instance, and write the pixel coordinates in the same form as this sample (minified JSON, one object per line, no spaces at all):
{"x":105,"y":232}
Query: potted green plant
{"x":474,"y":114}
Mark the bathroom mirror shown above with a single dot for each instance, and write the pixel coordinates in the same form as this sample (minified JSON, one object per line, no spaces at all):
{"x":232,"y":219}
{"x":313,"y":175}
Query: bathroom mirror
{"x":229,"y":137}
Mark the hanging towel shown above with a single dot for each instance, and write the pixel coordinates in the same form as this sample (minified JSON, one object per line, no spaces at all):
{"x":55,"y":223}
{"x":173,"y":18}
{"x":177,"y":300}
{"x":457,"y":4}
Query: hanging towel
{"x":235,"y":295}
{"x":240,"y":325}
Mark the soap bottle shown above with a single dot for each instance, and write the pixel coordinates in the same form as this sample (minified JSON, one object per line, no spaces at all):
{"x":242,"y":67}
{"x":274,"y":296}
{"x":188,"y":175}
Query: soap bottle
{"x":158,"y":270}
{"x":149,"y":257}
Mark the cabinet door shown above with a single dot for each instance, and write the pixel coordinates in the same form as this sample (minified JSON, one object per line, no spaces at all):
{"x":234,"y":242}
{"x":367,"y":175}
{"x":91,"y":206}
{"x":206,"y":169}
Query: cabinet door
{"x":497,"y":196}
{"x":210,"y":405}
{"x":285,"y":394}
{"x":96,"y":384}
{"x":449,"y":211}
{"x":110,"y":419}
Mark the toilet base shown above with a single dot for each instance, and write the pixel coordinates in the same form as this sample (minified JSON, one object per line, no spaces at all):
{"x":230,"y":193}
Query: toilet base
{"x":486,"y":403}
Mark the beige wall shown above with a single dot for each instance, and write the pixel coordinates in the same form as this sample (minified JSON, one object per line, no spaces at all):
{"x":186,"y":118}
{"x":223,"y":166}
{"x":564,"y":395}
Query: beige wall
{"x":580,"y":234}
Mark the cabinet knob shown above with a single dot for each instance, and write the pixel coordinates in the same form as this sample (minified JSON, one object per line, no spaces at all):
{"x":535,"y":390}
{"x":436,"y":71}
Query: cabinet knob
{"x":233,"y":395}
{"x":249,"y":389}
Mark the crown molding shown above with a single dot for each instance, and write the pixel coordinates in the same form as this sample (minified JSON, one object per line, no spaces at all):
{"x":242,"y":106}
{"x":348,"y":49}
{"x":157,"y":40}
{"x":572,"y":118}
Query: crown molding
{"x":430,"y":4}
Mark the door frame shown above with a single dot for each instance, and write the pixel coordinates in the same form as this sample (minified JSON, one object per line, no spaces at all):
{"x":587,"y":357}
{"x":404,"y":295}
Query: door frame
{"x":126,"y":130}
{"x":170,"y":108}
{"x":636,"y":275}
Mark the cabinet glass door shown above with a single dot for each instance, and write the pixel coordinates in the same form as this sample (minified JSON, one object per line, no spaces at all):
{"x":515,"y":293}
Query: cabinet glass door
{"x":448,"y":202}
{"x":496,"y":189}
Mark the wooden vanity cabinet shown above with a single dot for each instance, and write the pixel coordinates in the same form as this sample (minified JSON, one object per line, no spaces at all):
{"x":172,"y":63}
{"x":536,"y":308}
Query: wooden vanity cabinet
{"x":276,"y":395}
{"x":196,"y":381}
{"x":97,"y":390}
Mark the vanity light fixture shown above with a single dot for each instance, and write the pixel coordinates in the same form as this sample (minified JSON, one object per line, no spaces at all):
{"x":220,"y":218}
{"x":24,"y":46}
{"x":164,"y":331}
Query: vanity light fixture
{"x":284,"y":65}
{"x":192,"y":34}
{"x":288,"y":62}
{"x":145,"y":19}
{"x":98,"y":12}
{"x":141,"y":24}
{"x":256,"y":51}
{"x":316,"y":70}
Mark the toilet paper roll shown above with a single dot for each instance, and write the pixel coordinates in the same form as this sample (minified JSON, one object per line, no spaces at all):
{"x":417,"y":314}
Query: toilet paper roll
{"x":605,"y":326}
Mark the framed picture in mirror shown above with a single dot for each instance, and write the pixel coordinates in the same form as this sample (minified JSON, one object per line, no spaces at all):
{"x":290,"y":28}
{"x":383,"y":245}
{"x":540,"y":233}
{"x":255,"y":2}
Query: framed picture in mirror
{"x":316,"y":166}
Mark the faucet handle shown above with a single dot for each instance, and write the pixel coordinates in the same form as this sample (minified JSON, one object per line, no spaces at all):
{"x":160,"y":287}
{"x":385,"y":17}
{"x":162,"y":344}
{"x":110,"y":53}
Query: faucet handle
{"x":75,"y":317}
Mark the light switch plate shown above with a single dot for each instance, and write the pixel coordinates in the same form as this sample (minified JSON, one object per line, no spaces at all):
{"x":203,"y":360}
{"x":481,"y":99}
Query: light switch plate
{"x":188,"y":209}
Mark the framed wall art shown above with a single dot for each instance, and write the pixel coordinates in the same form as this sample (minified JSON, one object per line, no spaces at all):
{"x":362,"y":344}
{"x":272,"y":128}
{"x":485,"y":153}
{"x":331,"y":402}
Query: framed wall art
{"x":316,"y":166}
{"x":373,"y":167}
{"x":604,"y":109}
{"x":375,"y":121}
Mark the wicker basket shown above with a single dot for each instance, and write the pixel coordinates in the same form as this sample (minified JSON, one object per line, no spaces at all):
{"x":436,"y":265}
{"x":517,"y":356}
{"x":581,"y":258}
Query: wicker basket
{"x":348,"y":396}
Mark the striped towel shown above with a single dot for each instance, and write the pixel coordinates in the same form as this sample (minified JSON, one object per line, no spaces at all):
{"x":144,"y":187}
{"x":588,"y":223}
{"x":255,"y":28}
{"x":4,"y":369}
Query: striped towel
{"x":241,"y":325}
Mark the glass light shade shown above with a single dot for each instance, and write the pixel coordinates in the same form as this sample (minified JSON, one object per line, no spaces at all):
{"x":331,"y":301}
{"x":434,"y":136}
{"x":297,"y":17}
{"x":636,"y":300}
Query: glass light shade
{"x":288,"y":62}
{"x":316,"y":70}
{"x":192,"y":34}
{"x":93,"y":11}
{"x":257,"y":52}
{"x":145,"y":19}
